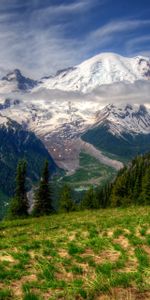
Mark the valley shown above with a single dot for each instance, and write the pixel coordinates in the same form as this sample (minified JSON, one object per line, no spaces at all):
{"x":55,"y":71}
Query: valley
{"x":90,"y":171}
{"x":73,"y":116}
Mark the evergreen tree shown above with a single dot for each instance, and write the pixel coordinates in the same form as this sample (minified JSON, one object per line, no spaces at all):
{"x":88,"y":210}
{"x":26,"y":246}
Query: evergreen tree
{"x":137,"y":176}
{"x":66,"y":203}
{"x":145,"y":194}
{"x":19,"y":204}
{"x":132,"y":185}
{"x":103,"y":196}
{"x":90,"y":200}
{"x":42,"y":196}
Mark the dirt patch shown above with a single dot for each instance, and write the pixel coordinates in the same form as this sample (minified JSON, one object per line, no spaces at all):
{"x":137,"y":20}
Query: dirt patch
{"x":108,"y":255}
{"x":84,"y":266}
{"x":148,"y":231}
{"x":88,"y":252}
{"x":2,"y":286}
{"x":123,"y":241}
{"x":129,"y":294}
{"x":110,"y":233}
{"x":7,"y":258}
{"x":146,"y":249}
{"x":48,"y":295}
{"x":125,"y":294}
{"x":103,"y":297}
{"x":17,"y":285}
{"x":138,"y":233}
{"x":72,"y":236}
{"x":63,"y":253}
{"x":68,"y":276}
{"x":131,"y":266}
{"x":32,"y":254}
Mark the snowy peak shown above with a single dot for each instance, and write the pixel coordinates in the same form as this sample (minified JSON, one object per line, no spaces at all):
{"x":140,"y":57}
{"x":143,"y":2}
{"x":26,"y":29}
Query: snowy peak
{"x":125,"y":119}
{"x":105,"y":68}
{"x":13,"y":75}
{"x":14,"y":81}
{"x":20,"y":82}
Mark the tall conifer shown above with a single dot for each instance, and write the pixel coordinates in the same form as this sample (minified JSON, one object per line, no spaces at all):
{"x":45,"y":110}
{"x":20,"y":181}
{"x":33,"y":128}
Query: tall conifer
{"x":66,"y":203}
{"x":19,"y":204}
{"x":43,"y":197}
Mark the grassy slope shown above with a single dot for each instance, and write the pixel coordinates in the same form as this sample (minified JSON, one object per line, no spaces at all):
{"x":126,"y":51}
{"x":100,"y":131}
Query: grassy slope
{"x":102,"y":254}
{"x":91,"y":171}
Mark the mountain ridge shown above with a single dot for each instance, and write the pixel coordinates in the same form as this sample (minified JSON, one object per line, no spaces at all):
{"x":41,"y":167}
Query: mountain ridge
{"x":122,"y":132}
{"x":104,"y":68}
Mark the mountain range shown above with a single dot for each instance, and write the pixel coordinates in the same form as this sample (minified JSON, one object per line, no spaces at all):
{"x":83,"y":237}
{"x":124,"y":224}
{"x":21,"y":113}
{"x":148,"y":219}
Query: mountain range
{"x":64,"y":114}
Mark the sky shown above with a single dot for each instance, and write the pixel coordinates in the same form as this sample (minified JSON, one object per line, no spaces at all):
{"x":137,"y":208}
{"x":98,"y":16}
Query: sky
{"x":42,"y":36}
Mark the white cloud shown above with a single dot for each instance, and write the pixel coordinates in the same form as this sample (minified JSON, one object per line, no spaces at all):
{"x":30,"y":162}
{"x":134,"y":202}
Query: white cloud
{"x":117,"y":93}
{"x":39,"y":50}
{"x":134,"y":45}
{"x":119,"y":26}
{"x":137,"y":93}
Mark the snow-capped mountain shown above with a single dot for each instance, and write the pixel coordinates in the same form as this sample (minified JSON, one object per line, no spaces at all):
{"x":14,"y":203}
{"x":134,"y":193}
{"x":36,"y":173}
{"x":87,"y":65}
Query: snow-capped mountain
{"x":14,"y":81}
{"x":66,"y":118}
{"x":102,"y":69}
{"x":125,"y":119}
{"x":61,"y":110}
{"x":105,"y":68}
{"x":123,"y":131}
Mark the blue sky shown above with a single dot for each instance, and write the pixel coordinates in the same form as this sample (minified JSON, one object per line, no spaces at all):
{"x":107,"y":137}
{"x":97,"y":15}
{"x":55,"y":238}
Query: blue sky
{"x":42,"y":36}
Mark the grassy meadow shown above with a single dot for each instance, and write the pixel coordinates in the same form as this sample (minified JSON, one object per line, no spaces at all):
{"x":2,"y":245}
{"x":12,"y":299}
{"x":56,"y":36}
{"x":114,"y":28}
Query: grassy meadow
{"x":101,"y":255}
{"x":90,"y":172}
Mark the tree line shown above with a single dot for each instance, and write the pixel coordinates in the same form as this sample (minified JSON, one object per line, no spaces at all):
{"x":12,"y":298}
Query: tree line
{"x":131,"y":186}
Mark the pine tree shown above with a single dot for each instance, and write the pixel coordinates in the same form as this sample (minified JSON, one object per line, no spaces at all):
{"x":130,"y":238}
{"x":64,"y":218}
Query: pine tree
{"x":145,"y":194}
{"x":132,"y":185}
{"x":103,"y":196}
{"x":90,"y":200}
{"x":137,"y":180}
{"x":66,"y":203}
{"x":19,"y":204}
{"x":43,"y":197}
{"x":119,"y":193}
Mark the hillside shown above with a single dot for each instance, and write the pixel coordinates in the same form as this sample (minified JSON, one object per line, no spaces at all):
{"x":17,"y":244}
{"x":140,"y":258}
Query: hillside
{"x":19,"y":143}
{"x":132,"y":184}
{"x":104,"y":254}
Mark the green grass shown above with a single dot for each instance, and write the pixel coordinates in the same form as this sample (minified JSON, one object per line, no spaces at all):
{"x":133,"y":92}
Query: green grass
{"x":5,"y":294}
{"x":91,"y":171}
{"x":82,"y":255}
